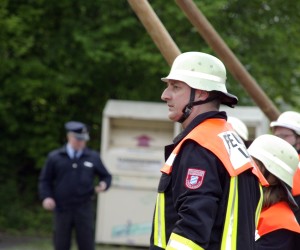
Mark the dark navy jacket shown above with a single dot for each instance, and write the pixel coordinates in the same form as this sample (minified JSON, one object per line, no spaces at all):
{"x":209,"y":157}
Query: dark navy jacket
{"x":278,"y":240}
{"x":71,"y":181}
{"x":199,"y":215}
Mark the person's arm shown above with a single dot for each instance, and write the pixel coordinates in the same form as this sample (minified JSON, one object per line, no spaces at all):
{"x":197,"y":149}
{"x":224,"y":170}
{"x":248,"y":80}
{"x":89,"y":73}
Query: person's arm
{"x":45,"y":186}
{"x":276,"y":240}
{"x":197,"y":188}
{"x":104,"y":176}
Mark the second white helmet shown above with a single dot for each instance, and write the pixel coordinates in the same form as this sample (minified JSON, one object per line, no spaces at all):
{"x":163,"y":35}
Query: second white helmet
{"x":277,"y":155}
{"x":239,"y":126}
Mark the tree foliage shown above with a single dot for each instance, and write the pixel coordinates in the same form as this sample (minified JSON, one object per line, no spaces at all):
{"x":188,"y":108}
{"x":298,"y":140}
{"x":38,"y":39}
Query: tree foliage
{"x":62,"y":60}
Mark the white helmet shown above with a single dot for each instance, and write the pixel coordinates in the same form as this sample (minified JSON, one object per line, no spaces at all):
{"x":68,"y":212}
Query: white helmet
{"x":277,"y":155}
{"x":202,"y":71}
{"x":239,"y":127}
{"x":288,"y":119}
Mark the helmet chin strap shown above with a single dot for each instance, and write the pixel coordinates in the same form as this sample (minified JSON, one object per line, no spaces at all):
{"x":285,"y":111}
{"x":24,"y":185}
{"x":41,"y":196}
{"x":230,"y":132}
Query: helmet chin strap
{"x":188,"y":108}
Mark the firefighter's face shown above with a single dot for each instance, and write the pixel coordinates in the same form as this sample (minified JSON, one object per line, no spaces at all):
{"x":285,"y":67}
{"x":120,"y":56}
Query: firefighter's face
{"x":177,"y":96}
{"x":286,"y":134}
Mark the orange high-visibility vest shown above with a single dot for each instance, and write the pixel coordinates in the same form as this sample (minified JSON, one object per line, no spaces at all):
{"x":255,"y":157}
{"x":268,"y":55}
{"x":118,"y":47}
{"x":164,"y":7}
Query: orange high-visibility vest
{"x":218,"y":136}
{"x":296,"y":181}
{"x":278,"y":216}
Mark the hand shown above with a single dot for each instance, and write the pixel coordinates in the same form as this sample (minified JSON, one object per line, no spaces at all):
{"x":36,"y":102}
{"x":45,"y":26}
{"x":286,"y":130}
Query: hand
{"x":49,"y":204}
{"x":101,"y":187}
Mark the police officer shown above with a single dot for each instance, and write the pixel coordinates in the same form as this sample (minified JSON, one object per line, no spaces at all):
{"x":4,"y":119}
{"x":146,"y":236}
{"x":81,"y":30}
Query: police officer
{"x":66,"y":185}
{"x":209,"y":192}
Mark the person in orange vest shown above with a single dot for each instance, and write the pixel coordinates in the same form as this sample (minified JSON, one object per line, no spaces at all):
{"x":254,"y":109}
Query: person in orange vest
{"x":278,"y":161}
{"x":209,"y":195}
{"x":287,"y":127}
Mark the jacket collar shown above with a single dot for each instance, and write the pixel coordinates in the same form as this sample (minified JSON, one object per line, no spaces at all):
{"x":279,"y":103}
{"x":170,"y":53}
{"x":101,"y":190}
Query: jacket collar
{"x":199,"y":119}
{"x":63,"y":150}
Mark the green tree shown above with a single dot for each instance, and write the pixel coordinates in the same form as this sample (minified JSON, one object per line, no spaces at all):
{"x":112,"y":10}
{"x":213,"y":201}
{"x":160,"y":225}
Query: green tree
{"x":62,"y":60}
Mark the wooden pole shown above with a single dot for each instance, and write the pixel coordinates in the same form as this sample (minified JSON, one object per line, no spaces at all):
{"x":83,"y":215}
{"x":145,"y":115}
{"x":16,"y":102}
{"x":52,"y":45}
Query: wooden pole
{"x":155,"y":29}
{"x":230,"y":60}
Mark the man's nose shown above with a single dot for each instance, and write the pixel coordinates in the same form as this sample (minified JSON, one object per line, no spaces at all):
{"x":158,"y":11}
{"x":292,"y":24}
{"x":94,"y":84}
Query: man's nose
{"x":165,"y":95}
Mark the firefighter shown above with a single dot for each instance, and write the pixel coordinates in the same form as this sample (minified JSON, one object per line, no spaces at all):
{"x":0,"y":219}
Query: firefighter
{"x":287,"y":127}
{"x":66,"y":186}
{"x":209,"y":193}
{"x":278,"y":161}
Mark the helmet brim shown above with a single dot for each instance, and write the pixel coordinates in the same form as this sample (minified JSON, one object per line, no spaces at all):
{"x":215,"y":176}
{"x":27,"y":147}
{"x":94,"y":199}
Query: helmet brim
{"x":284,"y":125}
{"x":228,"y":99}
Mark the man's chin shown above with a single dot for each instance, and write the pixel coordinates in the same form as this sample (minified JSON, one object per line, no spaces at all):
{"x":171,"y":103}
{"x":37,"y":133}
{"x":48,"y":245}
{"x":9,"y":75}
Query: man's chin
{"x":173,"y":117}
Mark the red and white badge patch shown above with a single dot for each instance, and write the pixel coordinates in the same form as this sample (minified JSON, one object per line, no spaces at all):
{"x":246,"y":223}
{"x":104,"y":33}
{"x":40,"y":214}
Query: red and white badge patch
{"x":194,"y":178}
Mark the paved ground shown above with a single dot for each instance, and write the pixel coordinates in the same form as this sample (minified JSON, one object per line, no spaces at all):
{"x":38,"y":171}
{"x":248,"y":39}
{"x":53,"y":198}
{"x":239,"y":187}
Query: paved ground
{"x":8,"y":242}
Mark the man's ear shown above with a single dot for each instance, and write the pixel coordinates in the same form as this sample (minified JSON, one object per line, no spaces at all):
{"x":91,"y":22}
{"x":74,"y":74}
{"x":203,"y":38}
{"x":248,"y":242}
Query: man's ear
{"x":201,"y":95}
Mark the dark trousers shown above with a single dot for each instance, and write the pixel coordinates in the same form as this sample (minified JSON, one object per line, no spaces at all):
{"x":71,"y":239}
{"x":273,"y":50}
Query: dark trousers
{"x":81,"y":219}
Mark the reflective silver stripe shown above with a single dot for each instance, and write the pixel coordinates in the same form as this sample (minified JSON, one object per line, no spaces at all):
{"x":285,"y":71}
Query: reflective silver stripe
{"x":178,"y":245}
{"x":159,"y":229}
{"x":259,"y":206}
{"x":159,"y":222}
{"x":170,"y":159}
{"x":178,"y":242}
{"x":231,"y":220}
